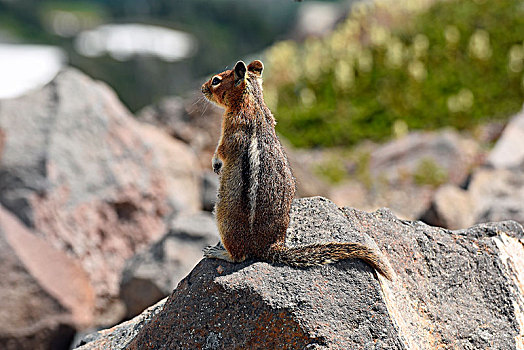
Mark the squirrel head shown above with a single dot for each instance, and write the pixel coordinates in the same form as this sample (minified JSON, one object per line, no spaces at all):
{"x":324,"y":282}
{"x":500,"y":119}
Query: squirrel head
{"x":229,"y":87}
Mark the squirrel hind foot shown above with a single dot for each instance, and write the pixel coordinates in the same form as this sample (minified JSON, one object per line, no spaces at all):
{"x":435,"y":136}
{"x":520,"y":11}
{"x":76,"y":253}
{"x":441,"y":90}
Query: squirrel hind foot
{"x":218,"y":252}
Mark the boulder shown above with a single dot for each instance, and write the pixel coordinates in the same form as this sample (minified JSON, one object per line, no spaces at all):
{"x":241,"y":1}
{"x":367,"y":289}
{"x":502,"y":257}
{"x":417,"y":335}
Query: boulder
{"x":407,"y":201}
{"x":152,"y":274}
{"x":493,"y":192}
{"x":46,"y":295}
{"x":452,"y":290}
{"x":404,"y":174}
{"x":498,"y":194}
{"x":193,"y":120}
{"x":508,"y":152}
{"x":90,"y":179}
{"x":491,"y":195}
{"x":398,"y":161}
{"x":452,"y":207}
{"x":119,"y":336}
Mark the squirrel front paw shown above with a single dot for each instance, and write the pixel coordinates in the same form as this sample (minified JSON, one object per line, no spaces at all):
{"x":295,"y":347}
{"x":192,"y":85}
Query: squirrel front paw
{"x":217,"y":165}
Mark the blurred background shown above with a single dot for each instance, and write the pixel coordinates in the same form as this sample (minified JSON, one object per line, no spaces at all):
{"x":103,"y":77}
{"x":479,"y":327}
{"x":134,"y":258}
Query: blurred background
{"x":143,"y":49}
{"x":413,"y":105}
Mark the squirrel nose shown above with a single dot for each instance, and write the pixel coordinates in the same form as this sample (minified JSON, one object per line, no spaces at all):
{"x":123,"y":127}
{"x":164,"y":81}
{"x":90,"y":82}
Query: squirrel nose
{"x":204,"y":88}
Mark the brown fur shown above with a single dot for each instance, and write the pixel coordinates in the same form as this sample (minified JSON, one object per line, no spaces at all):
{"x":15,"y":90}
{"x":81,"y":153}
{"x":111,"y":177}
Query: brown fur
{"x":257,"y":186}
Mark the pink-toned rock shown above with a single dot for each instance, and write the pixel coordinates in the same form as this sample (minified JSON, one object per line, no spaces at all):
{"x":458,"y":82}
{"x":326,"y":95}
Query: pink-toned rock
{"x":45,"y":294}
{"x":90,"y":179}
{"x":181,"y":173}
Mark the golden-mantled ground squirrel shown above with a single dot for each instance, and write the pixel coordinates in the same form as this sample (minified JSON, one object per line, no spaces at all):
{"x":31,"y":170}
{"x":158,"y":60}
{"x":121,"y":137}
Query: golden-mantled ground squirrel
{"x":256,"y":182}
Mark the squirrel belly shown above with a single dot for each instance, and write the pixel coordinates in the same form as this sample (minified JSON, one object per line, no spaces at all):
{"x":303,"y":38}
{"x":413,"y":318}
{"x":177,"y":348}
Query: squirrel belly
{"x":256,"y":184}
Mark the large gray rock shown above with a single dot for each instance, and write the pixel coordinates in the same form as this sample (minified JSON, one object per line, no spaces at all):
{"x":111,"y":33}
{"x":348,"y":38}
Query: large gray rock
{"x":453,"y":290}
{"x":456,"y":289}
{"x":45,"y":294}
{"x":90,"y":179}
{"x":152,"y":274}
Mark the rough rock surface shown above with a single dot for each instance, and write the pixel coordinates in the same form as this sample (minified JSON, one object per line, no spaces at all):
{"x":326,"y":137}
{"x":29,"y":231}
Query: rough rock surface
{"x":45,"y":294}
{"x":91,"y":180}
{"x":119,"y":336}
{"x":453,"y":290}
{"x":152,"y":274}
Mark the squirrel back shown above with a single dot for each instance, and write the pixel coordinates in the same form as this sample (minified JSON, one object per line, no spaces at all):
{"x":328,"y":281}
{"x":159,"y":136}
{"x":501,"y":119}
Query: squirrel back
{"x":257,"y":185}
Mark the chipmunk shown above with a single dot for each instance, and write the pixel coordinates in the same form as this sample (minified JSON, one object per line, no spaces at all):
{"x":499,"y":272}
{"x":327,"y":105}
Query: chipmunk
{"x":257,"y":185}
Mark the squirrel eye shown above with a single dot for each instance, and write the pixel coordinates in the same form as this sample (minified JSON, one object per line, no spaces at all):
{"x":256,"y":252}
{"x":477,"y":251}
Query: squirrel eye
{"x":216,"y":81}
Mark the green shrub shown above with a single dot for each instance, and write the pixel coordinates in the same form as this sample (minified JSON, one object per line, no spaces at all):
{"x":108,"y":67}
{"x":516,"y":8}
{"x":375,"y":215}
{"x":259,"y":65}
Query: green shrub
{"x":332,"y":170}
{"x":457,"y":63}
{"x":430,"y":173}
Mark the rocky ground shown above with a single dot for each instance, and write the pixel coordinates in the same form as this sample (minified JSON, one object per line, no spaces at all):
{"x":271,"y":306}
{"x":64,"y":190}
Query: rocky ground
{"x":452,"y":290}
{"x":103,"y":214}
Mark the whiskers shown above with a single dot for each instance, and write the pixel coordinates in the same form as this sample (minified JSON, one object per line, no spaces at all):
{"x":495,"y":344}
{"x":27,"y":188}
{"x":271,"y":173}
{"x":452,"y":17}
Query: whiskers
{"x":199,"y":105}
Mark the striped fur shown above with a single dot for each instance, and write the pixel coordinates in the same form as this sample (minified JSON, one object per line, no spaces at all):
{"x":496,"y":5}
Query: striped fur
{"x":257,"y":185}
{"x":254,"y":165}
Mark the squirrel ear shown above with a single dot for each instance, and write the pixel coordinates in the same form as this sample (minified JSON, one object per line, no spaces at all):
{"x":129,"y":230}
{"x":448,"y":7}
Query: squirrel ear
{"x":256,"y":67}
{"x":240,"y":71}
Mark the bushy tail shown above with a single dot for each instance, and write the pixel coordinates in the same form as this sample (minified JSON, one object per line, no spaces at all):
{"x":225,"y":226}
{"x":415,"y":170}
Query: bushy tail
{"x":328,"y":253}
